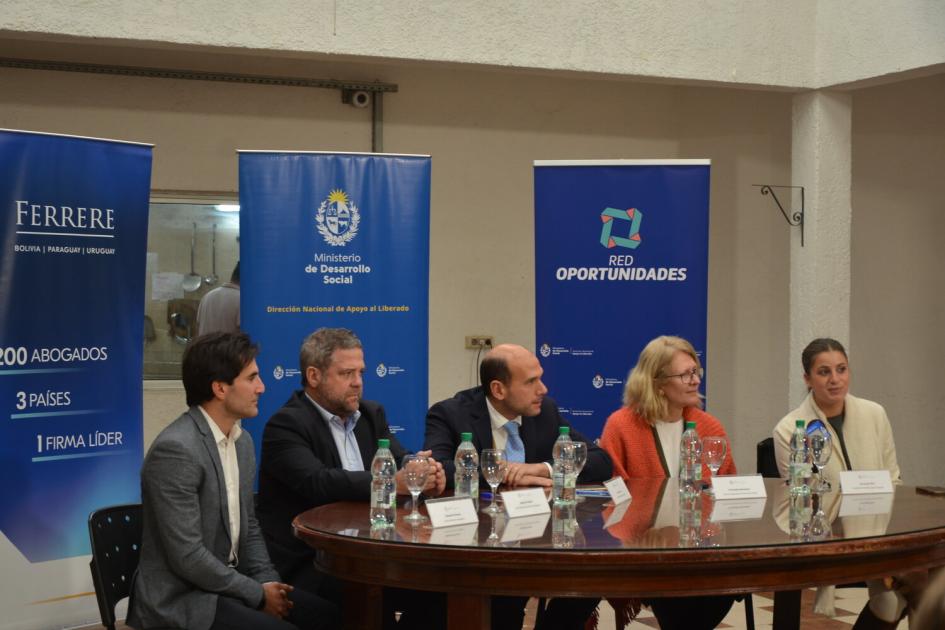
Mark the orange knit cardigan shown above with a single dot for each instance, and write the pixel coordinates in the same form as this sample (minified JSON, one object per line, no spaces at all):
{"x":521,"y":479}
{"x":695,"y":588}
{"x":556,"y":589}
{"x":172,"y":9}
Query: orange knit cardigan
{"x":633,"y":444}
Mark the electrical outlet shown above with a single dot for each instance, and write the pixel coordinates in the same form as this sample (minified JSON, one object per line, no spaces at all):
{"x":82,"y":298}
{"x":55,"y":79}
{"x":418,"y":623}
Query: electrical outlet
{"x":474,"y":342}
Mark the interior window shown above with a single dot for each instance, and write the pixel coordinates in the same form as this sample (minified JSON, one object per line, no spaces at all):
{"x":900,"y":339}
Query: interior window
{"x":193,"y":246}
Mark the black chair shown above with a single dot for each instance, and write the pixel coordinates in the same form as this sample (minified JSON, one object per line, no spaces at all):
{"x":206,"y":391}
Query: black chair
{"x":115,"y":533}
{"x":767,"y":465}
{"x":749,"y":613}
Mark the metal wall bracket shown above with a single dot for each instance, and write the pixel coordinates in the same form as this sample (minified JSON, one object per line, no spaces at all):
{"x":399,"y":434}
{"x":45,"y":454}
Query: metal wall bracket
{"x":796,"y":217}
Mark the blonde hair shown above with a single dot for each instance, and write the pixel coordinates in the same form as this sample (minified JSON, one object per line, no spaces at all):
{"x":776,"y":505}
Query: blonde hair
{"x":641,"y":393}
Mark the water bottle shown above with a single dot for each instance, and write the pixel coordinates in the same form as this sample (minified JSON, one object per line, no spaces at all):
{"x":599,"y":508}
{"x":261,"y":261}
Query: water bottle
{"x":800,"y":515}
{"x":563,"y":525}
{"x":801,"y":501}
{"x":383,"y":486}
{"x":383,"y":532}
{"x":690,"y":461}
{"x":466,"y":476}
{"x":690,"y":519}
{"x":563,"y":470}
{"x":799,"y":468}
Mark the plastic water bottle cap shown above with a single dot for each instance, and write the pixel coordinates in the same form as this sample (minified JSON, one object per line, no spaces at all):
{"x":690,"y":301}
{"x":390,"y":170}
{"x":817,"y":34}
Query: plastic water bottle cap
{"x":799,"y":424}
{"x":690,"y":424}
{"x":466,"y":437}
{"x":383,"y":443}
{"x":564,"y":430}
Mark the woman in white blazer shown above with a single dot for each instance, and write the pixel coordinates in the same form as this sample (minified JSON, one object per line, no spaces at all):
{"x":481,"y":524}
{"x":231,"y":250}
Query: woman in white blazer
{"x":862,"y":439}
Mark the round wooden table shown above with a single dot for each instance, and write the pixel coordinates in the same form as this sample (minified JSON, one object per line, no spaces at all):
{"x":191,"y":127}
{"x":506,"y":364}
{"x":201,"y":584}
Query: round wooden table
{"x":599,"y":550}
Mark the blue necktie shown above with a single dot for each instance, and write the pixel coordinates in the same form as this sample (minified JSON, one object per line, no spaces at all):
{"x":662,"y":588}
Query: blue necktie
{"x":514,"y":449}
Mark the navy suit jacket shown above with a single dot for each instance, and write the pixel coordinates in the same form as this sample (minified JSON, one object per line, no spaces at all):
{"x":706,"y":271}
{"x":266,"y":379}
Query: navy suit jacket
{"x":466,"y":412}
{"x":300,"y":468}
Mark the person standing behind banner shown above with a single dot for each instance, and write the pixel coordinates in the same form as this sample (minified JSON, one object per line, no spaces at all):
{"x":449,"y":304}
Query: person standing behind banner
{"x":203,"y":561}
{"x":643,"y":436}
{"x":510,"y":411}
{"x":317,"y":449}
{"x":219,"y":309}
{"x":861,"y":439}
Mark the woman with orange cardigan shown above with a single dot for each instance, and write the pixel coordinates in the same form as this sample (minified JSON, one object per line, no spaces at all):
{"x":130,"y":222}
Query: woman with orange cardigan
{"x":642,"y":438}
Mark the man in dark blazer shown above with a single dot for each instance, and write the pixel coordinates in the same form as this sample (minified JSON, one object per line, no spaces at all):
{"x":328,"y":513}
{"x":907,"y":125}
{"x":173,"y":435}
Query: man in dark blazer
{"x":511,"y":383}
{"x":302,"y":468}
{"x":512,"y":393}
{"x":317,"y":449}
{"x":203,"y":560}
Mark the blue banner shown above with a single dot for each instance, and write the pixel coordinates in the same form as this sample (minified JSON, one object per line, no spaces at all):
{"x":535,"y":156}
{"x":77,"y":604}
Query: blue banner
{"x":73,"y":238}
{"x":338,"y":240}
{"x":621,"y":257}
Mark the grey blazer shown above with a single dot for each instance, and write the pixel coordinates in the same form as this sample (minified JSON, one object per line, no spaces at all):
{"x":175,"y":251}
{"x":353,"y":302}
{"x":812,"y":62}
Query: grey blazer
{"x":186,"y":533}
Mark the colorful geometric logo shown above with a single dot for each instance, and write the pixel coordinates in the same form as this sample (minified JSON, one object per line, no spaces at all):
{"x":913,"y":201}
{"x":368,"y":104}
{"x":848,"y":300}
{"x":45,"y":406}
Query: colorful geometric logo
{"x":632,"y":239}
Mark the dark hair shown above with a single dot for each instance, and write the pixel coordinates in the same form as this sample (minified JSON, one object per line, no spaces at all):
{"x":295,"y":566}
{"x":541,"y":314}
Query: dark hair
{"x":235,"y":276}
{"x":318,"y":347}
{"x":815,"y":347}
{"x":494,"y":367}
{"x":217,"y":356}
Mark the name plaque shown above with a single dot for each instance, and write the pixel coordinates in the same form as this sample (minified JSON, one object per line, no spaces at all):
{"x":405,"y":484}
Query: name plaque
{"x":526,"y":502}
{"x":618,"y":490}
{"x":450,"y":511}
{"x":739,"y":487}
{"x":865,"y":482}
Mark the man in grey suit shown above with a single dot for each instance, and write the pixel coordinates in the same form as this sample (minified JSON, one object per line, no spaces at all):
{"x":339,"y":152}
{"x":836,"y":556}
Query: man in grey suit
{"x":204,"y":565}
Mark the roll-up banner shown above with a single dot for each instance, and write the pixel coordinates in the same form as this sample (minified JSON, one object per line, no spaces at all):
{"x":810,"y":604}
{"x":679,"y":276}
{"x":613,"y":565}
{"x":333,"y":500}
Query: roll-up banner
{"x":340,"y":240}
{"x":73,"y":238}
{"x":621,"y":256}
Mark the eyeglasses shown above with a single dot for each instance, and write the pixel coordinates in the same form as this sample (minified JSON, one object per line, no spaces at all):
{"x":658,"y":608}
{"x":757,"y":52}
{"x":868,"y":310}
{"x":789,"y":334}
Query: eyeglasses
{"x":688,"y":377}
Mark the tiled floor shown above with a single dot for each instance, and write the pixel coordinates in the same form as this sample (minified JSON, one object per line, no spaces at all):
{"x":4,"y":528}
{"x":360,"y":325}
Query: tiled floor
{"x":849,"y":603}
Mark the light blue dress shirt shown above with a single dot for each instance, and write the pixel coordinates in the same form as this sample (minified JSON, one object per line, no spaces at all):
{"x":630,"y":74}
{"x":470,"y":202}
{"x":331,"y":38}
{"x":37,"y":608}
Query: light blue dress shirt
{"x":342,"y":430}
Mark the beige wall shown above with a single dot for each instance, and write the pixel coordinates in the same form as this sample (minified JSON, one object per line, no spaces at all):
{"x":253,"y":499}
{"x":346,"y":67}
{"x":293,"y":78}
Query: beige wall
{"x":483,"y":129}
{"x":898,"y":296}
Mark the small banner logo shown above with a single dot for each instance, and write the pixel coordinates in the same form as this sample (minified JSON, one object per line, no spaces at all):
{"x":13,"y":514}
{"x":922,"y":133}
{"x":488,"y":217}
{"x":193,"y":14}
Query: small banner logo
{"x":632,"y":239}
{"x":337,"y":219}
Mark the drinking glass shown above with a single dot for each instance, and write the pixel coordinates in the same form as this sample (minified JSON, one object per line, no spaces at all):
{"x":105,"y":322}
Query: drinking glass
{"x":820,"y":447}
{"x":494,"y":466}
{"x":580,"y":458}
{"x":819,"y":523}
{"x":819,"y":526}
{"x":416,"y":469}
{"x":713,"y":535}
{"x":493,"y":539}
{"x":713,"y":453}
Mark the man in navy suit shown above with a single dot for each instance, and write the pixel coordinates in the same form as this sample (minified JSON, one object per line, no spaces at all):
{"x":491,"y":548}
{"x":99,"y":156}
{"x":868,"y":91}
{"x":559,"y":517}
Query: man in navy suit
{"x":510,"y":411}
{"x":204,"y":564}
{"x":317,"y":449}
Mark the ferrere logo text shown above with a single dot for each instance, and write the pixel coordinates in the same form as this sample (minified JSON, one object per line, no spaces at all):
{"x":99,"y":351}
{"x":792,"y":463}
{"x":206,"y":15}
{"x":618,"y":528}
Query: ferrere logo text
{"x":41,"y":215}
